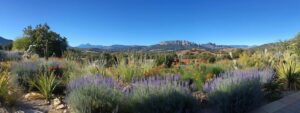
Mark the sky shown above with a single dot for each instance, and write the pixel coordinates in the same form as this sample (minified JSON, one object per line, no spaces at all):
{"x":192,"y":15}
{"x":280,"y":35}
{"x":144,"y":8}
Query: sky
{"x":146,"y":22}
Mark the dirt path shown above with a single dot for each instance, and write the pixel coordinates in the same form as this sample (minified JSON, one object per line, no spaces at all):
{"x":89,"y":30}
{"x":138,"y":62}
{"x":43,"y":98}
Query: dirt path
{"x":34,"y":106}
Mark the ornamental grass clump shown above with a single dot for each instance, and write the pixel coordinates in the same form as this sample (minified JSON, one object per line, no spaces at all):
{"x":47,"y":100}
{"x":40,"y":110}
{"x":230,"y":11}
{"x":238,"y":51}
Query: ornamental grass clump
{"x":161,"y":95}
{"x":8,"y":93}
{"x":45,"y":84}
{"x":94,"y":94}
{"x":289,"y":75}
{"x":238,"y":91}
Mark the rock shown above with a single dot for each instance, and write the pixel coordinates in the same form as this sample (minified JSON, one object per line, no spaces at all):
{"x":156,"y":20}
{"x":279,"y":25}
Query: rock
{"x":56,"y":102}
{"x":29,"y":111}
{"x":201,"y":97}
{"x":33,"y":96}
{"x":3,"y":110}
{"x":61,"y":106}
{"x":19,"y":111}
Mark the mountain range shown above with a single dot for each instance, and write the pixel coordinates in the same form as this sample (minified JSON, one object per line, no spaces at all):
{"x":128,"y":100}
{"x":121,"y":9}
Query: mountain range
{"x":173,"y":45}
{"x":4,"y":41}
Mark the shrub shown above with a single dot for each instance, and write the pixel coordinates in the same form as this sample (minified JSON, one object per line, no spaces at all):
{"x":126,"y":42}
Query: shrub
{"x":73,"y":70}
{"x":136,"y":70}
{"x":45,"y":84}
{"x":166,"y":60}
{"x":3,"y":86}
{"x":94,"y":99}
{"x":23,"y":71}
{"x":55,"y":66}
{"x":8,"y":94}
{"x":199,"y":73}
{"x":97,"y":80}
{"x":94,"y":94}
{"x":237,"y":91}
{"x":100,"y":94}
{"x":10,"y":56}
{"x":289,"y":74}
{"x":161,"y":95}
{"x":272,"y":90}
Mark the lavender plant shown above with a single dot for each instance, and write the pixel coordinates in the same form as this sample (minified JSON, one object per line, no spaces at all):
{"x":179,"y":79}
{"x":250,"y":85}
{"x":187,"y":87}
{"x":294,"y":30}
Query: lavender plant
{"x":10,"y":56}
{"x":94,"y":94}
{"x":230,"y":92}
{"x":23,"y":71}
{"x":161,"y":95}
{"x":97,"y":80}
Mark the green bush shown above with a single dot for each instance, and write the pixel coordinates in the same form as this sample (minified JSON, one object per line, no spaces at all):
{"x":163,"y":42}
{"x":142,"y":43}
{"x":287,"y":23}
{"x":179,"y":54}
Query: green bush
{"x":199,"y":73}
{"x":272,"y":90}
{"x":166,"y":60}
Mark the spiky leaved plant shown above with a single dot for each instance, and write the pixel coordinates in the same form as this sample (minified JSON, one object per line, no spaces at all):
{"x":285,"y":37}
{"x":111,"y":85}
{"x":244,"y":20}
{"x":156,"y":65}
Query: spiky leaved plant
{"x":288,"y":71}
{"x":45,"y":84}
{"x":289,"y":75}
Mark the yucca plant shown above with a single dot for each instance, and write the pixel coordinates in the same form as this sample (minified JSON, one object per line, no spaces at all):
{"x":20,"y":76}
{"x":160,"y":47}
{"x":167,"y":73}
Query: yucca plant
{"x":45,"y":84}
{"x":289,"y":75}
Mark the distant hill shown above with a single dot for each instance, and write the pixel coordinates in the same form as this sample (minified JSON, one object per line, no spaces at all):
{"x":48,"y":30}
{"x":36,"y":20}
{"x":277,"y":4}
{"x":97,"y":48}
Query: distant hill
{"x":88,"y":45}
{"x":280,"y":45}
{"x":174,"y":45}
{"x":215,"y":46}
{"x":4,"y":41}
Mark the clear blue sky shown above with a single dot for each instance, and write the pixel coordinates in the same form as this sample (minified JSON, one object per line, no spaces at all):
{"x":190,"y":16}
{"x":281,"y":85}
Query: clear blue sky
{"x":145,"y":22}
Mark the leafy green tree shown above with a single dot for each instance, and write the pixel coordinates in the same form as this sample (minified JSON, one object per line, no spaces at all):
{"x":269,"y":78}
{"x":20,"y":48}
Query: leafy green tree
{"x":21,"y":43}
{"x":47,"y":42}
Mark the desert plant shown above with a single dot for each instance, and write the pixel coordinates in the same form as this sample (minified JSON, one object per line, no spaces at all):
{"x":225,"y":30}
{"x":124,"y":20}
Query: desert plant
{"x":230,"y":92}
{"x":45,"y":84}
